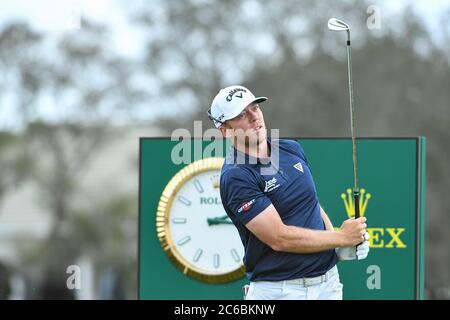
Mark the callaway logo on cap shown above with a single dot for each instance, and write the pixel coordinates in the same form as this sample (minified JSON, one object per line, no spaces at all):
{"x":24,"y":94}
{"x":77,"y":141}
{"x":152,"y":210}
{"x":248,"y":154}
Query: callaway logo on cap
{"x":230,"y":102}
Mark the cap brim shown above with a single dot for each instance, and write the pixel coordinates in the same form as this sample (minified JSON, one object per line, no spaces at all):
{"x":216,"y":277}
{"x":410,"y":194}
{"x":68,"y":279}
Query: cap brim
{"x":257,"y":100}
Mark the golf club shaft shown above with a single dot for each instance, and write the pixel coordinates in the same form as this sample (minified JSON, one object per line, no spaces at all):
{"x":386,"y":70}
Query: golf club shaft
{"x":353,"y":128}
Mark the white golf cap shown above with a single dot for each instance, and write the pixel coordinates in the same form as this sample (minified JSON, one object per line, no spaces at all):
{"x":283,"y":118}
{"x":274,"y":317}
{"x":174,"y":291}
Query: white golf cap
{"x":230,"y":102}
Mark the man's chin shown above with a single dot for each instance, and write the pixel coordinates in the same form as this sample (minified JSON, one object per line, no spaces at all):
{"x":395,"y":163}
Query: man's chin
{"x":259,"y":137}
{"x":262,"y":135}
{"x":255,"y":140}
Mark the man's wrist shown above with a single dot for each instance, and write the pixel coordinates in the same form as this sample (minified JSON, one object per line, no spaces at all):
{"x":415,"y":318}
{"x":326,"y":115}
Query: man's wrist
{"x":339,"y":238}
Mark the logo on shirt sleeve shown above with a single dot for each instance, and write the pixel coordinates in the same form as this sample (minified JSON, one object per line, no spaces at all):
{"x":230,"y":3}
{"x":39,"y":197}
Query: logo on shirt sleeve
{"x":246,"y":206}
{"x":299,"y":166}
{"x":271,"y":185}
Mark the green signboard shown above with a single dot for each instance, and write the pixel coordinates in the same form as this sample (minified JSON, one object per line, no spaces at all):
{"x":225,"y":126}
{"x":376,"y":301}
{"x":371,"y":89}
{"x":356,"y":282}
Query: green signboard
{"x":180,"y":226}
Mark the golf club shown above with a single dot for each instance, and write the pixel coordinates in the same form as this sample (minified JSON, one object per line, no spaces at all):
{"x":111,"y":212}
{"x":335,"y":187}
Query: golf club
{"x":338,"y":25}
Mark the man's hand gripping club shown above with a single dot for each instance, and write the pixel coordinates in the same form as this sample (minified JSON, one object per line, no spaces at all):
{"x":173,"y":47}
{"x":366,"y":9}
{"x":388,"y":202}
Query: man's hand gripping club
{"x":358,"y":240}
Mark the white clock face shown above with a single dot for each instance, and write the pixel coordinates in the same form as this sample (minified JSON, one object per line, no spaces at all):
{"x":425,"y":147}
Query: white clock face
{"x":200,"y":229}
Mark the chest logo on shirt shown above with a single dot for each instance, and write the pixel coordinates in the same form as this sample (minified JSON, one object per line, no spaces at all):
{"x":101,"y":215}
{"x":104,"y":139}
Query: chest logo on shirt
{"x":271,"y":185}
{"x":246,"y":206}
{"x":299,"y":167}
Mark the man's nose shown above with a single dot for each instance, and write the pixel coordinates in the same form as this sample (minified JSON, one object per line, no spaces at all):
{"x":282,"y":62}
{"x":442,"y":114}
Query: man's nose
{"x":253,"y":115}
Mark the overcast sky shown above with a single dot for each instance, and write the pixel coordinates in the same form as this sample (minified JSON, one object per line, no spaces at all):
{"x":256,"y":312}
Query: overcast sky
{"x":59,"y":16}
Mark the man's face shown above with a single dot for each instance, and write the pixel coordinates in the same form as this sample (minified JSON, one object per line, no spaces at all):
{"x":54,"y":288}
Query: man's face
{"x":248,"y":127}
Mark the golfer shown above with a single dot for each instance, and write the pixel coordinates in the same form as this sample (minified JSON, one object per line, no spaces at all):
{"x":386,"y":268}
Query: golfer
{"x":268,"y":192}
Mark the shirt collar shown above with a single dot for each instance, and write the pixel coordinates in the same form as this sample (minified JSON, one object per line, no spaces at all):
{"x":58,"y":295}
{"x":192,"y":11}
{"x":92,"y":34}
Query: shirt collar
{"x":239,"y":157}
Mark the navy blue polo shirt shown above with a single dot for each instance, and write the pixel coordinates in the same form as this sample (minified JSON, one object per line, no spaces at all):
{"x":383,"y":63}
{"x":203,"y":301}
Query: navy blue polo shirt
{"x":249,"y":185}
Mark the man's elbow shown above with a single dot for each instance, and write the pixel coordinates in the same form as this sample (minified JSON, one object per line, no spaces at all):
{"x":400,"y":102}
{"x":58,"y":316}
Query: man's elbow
{"x":280,"y":242}
{"x":278,"y":246}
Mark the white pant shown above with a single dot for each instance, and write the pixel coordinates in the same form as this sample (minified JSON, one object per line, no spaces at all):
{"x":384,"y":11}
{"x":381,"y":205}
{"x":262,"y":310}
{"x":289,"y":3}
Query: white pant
{"x":331,"y":289}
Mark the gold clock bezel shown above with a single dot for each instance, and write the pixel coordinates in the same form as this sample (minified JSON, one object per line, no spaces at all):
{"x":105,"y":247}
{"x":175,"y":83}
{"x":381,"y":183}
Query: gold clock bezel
{"x":163,"y":229}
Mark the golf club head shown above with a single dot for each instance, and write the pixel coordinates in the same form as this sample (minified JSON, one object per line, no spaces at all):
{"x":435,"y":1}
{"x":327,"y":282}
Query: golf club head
{"x":337,"y":25}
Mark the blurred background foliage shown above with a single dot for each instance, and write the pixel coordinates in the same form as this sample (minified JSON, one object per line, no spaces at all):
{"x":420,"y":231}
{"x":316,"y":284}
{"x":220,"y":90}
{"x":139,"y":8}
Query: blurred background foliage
{"x":72,"y":96}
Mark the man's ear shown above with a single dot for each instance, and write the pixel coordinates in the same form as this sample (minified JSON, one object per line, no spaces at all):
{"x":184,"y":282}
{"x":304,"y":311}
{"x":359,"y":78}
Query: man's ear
{"x":225,"y":129}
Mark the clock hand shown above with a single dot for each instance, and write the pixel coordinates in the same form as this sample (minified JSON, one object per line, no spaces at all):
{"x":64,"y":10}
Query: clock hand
{"x":215,"y":222}
{"x":219,"y":220}
{"x":225,"y":217}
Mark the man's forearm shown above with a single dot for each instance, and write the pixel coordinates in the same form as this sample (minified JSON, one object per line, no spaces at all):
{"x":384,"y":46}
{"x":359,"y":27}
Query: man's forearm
{"x":300,"y":240}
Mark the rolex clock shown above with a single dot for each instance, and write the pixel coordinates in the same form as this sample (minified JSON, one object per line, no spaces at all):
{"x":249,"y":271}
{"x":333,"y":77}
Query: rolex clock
{"x":193,"y":228}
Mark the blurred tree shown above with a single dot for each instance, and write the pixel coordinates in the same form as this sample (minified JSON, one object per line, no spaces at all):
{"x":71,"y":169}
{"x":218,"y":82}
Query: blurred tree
{"x":196,"y":47}
{"x":64,"y":153}
{"x":5,"y":288}
{"x":22,"y":70}
{"x":10,"y":159}
{"x":85,"y":84}
{"x":108,"y":238}
{"x":21,"y":79}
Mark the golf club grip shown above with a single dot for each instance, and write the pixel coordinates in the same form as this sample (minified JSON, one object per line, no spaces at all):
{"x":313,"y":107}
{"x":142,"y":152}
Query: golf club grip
{"x":356,"y":197}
